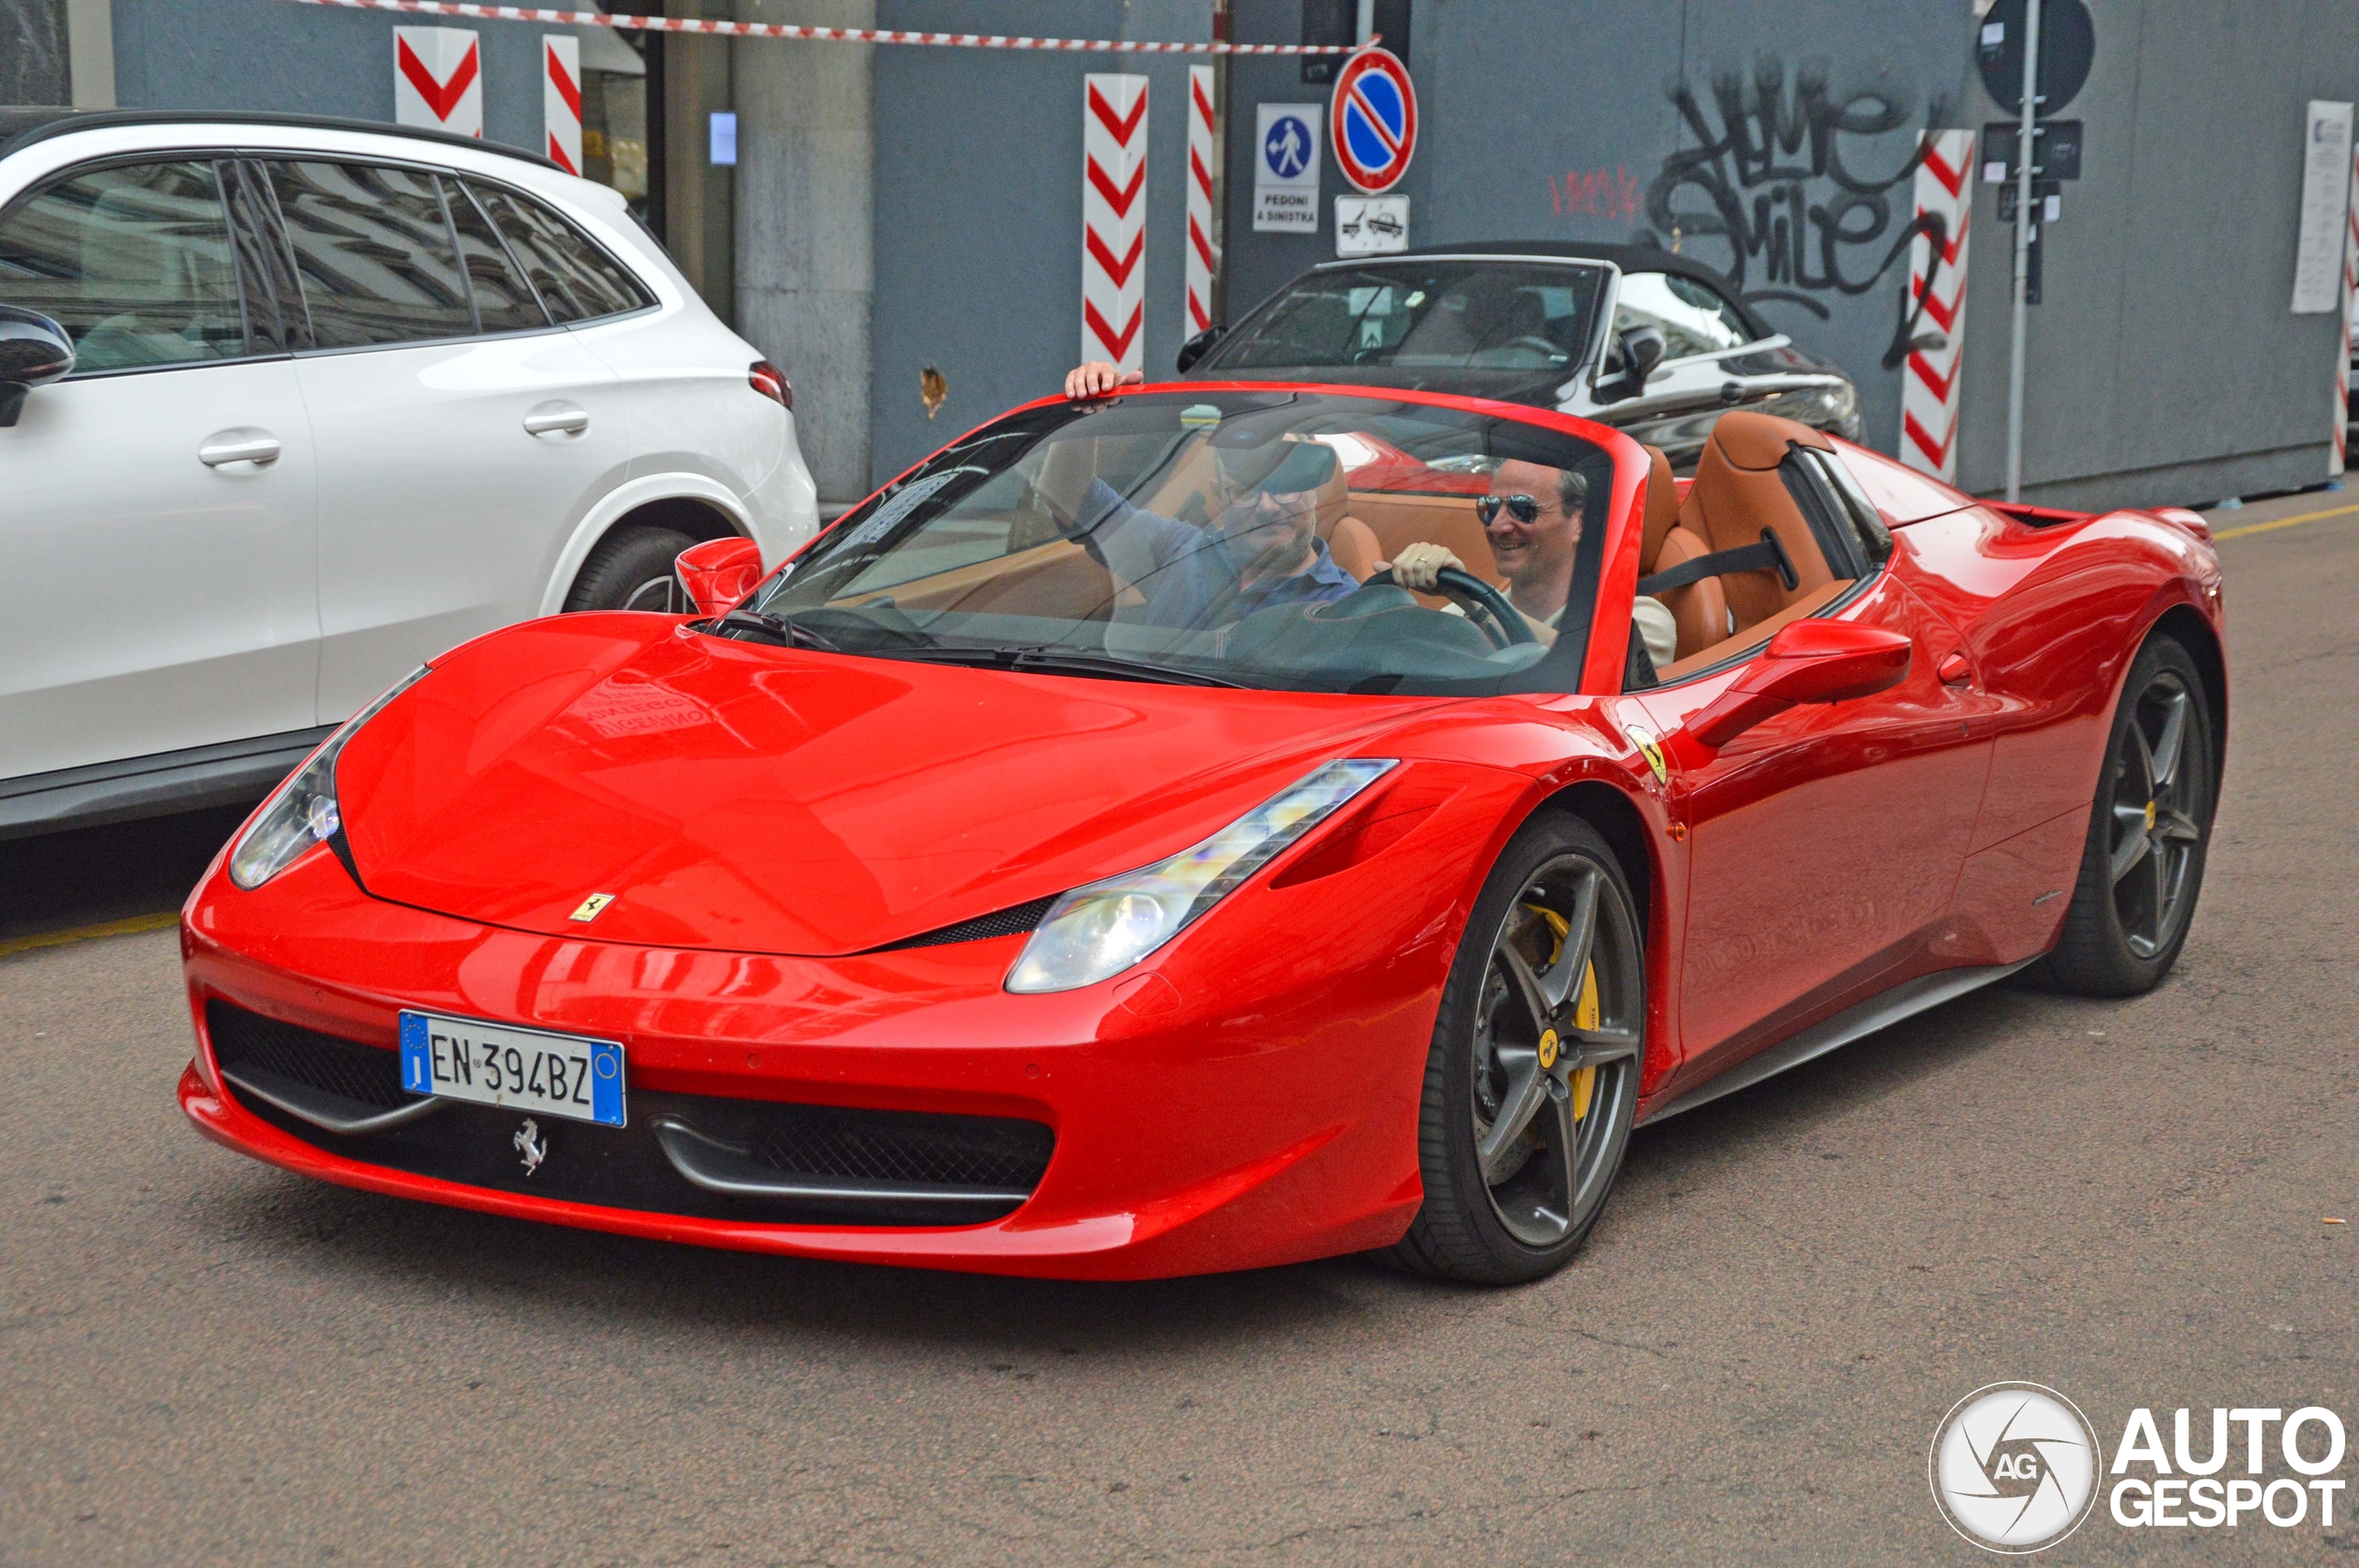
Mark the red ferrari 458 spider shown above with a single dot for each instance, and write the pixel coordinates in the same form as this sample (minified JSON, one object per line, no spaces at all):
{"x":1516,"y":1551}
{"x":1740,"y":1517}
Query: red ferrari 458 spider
{"x":1213,"y":826}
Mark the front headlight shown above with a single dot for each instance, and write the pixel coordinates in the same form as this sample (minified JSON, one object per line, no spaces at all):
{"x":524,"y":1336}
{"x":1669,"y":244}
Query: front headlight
{"x":1101,"y":930}
{"x":304,"y":811}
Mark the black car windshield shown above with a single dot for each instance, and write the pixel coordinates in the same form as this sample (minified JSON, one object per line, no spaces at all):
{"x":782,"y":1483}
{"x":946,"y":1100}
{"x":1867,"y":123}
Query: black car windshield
{"x":1442,"y":314}
{"x":1225,"y":538}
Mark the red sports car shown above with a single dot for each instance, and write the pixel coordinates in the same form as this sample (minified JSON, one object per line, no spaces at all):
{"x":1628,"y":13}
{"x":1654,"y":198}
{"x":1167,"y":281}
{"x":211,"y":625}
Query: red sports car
{"x":1089,"y":857}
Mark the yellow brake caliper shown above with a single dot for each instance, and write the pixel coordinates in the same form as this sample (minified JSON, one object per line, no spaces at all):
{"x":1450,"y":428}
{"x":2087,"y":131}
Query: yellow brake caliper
{"x":1585,"y":1011}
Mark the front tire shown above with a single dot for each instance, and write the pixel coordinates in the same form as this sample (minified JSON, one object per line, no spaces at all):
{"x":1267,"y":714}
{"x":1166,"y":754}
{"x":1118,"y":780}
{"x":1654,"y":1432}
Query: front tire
{"x":1531,"y":1081}
{"x":630,"y":568}
{"x":2142,"y":867}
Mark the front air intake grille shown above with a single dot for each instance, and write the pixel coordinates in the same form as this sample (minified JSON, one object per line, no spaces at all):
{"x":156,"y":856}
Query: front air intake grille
{"x":888,"y":1146}
{"x":1002,"y":922}
{"x":861,"y":1155}
{"x":247,"y":1043}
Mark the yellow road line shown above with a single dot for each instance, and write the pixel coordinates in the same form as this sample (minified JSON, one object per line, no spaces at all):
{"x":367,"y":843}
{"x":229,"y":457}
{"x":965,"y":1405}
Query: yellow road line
{"x":90,"y":934}
{"x":2282,"y":522}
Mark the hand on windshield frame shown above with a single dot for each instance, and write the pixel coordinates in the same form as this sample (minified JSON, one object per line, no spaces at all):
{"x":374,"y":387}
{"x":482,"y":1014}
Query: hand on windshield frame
{"x":1100,"y":378}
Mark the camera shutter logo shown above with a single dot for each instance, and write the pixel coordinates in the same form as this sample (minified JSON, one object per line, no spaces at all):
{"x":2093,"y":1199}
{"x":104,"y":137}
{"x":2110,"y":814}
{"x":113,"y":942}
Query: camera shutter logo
{"x":2014,"y":1467}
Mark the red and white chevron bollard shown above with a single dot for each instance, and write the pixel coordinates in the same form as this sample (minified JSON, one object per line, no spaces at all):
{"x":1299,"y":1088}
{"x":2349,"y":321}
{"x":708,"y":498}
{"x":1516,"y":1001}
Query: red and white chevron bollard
{"x":1201,"y":264}
{"x":437,"y":80}
{"x":1929,"y":388}
{"x":1113,"y":219}
{"x":561,"y":99}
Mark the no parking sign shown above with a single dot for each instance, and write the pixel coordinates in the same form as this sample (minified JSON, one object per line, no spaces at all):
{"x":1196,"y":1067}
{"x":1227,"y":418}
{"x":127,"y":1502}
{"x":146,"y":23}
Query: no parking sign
{"x":1373,"y":120}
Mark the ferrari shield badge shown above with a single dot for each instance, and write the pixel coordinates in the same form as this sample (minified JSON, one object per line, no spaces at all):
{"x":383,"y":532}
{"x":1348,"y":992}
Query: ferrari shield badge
{"x":1649,"y":747}
{"x":587,"y":909}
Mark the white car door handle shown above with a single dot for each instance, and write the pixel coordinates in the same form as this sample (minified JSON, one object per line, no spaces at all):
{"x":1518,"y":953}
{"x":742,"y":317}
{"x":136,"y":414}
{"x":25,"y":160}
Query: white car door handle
{"x":257,"y":446}
{"x":555,"y":419}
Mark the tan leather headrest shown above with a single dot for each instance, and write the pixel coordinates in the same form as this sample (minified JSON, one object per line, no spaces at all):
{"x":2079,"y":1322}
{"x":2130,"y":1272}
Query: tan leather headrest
{"x":1334,"y":497}
{"x":1662,"y":509}
{"x":1758,"y":441}
{"x":1355,"y":548}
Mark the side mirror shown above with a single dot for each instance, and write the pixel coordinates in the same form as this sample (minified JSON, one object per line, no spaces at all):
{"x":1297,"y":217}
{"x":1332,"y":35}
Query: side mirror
{"x":1643,"y":348}
{"x":34,"y":351}
{"x":1195,"y":348}
{"x":1806,"y":661}
{"x":719,"y":572}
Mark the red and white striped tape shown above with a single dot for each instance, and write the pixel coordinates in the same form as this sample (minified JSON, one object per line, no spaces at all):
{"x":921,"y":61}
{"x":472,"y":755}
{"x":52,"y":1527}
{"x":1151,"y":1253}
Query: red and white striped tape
{"x":2350,"y":317}
{"x":1202,"y":262}
{"x":820,"y":35}
{"x":561,"y":99}
{"x":437,"y":80}
{"x":1113,"y":219}
{"x":1929,"y":384}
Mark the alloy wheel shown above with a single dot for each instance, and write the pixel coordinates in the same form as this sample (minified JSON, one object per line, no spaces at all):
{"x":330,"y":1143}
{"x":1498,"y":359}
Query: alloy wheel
{"x":2157,"y":819}
{"x":1557,"y":1047}
{"x":660,"y":594}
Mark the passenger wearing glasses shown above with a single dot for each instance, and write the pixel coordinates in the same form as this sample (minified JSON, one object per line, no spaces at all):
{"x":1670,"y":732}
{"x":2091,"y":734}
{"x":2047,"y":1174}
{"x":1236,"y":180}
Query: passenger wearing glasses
{"x":1533,"y":517}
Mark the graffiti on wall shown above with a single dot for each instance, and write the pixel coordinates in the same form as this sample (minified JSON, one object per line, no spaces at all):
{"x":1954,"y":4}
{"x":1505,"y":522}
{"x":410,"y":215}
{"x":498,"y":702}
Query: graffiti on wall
{"x":1598,"y":192}
{"x":1794,"y":191}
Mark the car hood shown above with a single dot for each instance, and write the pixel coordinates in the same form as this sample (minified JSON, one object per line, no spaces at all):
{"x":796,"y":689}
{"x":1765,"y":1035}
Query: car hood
{"x":757,"y":799}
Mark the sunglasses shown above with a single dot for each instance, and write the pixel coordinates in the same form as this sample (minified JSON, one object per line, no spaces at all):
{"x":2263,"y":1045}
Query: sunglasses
{"x":1523,"y":508}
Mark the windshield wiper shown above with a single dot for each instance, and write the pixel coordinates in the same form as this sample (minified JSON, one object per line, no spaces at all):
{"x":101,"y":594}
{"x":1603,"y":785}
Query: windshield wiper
{"x":1053,"y":660}
{"x":793,"y":634}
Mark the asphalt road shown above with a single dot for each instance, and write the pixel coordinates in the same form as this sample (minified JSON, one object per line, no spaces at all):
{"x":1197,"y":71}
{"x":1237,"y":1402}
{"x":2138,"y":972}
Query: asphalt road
{"x":202,"y":1360}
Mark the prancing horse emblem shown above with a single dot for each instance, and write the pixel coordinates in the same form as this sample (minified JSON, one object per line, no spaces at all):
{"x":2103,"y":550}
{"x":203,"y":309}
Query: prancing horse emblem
{"x":529,"y":1144}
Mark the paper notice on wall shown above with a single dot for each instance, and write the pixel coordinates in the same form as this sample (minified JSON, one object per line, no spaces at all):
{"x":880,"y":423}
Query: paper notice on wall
{"x":2326,"y":201}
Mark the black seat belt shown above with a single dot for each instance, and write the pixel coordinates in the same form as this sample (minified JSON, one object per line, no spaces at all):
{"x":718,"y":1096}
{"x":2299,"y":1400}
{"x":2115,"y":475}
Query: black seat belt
{"x":1768,"y":554}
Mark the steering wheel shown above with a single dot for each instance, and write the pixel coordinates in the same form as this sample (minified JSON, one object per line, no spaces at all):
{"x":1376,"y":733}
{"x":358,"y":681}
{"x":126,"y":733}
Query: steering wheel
{"x":1497,"y":618}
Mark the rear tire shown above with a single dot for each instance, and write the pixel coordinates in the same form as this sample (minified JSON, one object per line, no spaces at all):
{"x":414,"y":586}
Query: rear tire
{"x":2141,"y":866}
{"x":630,"y":568}
{"x":1531,"y":1080}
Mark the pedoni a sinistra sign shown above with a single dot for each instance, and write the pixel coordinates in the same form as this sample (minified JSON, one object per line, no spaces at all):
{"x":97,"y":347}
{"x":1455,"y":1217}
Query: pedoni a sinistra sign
{"x":2015,"y":1467}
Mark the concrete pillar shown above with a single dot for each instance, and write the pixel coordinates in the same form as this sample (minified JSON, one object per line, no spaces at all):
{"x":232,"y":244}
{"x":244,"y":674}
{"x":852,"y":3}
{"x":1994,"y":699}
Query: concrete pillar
{"x":805,"y":273}
{"x":32,"y":53}
{"x":698,"y":227}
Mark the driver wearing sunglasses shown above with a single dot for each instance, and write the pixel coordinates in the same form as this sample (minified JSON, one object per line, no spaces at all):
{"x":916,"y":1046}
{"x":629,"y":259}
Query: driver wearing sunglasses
{"x":1533,"y":517}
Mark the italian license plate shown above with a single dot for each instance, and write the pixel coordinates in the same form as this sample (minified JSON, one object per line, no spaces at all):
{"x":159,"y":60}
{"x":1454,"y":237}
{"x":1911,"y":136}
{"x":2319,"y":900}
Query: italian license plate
{"x":520,"y":1069}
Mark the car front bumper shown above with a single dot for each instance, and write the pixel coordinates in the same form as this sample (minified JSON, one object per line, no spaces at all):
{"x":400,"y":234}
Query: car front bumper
{"x":1242,"y":1104}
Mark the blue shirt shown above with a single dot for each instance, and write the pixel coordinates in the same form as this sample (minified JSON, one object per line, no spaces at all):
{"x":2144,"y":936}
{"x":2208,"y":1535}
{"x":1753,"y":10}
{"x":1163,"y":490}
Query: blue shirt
{"x":1189,"y":573}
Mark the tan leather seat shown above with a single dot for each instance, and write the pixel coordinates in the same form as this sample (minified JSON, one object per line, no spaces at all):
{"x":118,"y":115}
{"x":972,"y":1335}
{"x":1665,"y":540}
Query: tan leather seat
{"x":1736,"y":494}
{"x":1351,"y":543}
{"x":1355,"y":548}
{"x":1700,"y":609}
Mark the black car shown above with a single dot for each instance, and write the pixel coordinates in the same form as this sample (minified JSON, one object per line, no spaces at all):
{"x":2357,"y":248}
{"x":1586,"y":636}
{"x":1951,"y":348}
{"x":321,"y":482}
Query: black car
{"x":1630,"y":336}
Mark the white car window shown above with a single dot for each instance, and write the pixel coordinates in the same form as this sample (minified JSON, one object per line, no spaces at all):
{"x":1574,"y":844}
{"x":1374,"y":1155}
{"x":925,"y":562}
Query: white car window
{"x":504,"y":298}
{"x":1692,"y":318}
{"x":577,"y":281}
{"x":374,"y":253}
{"x":132,"y":260}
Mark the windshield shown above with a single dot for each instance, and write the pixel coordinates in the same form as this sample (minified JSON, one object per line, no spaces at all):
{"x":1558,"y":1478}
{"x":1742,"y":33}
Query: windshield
{"x":1222,"y":538}
{"x":1533,"y":317}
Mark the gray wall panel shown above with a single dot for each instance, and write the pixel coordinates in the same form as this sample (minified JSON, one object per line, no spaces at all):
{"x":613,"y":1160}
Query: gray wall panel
{"x":233,"y":55}
{"x":33,"y":67}
{"x":978,"y":240}
{"x":2165,"y":363}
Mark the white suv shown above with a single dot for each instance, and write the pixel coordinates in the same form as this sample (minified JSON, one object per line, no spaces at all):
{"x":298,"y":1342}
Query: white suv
{"x":339,"y":396}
